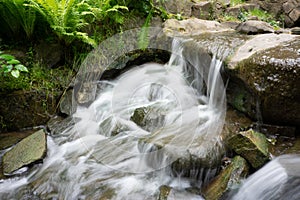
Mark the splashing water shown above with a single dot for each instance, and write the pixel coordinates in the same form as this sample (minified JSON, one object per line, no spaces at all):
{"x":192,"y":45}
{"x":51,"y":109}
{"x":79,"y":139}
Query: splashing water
{"x":104,"y":154}
{"x":279,"y":179}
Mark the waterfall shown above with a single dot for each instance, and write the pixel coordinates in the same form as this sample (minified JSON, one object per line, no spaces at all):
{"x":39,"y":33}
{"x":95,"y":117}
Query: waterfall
{"x":104,"y":154}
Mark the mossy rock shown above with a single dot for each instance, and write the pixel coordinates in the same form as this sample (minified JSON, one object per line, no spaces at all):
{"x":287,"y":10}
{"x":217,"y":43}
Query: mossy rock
{"x":227,"y":179}
{"x":265,"y":76}
{"x":27,"y":151}
{"x":252,"y":146}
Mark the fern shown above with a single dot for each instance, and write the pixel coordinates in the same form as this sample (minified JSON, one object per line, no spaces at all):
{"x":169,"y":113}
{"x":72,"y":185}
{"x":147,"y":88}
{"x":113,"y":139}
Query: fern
{"x":143,"y":37}
{"x":65,"y":17}
{"x":17,"y":16}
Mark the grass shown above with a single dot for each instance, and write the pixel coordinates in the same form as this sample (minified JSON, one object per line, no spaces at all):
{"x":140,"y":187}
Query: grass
{"x":236,"y":2}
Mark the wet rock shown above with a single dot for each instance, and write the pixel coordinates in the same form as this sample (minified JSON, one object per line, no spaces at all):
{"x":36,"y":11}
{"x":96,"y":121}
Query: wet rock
{"x":295,"y":31}
{"x":264,"y":79}
{"x":150,"y":118}
{"x":164,"y":192}
{"x":56,"y":125}
{"x":253,"y":27}
{"x":235,"y":122}
{"x":169,"y":193}
{"x":29,"y":150}
{"x":228,"y":178}
{"x":200,"y":159}
{"x":11,"y":138}
{"x":65,"y":104}
{"x":111,"y":127}
{"x":252,"y":146}
{"x":202,"y":10}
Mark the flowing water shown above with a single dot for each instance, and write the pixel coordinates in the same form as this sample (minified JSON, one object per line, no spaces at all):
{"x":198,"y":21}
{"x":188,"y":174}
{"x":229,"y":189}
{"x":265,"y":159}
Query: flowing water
{"x":104,"y":154}
{"x":279,"y":179}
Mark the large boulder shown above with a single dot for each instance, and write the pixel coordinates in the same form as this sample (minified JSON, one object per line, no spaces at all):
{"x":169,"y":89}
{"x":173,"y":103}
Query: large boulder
{"x":229,"y":177}
{"x":265,"y":83}
{"x":11,"y":138}
{"x":29,"y":150}
{"x":252,"y":146}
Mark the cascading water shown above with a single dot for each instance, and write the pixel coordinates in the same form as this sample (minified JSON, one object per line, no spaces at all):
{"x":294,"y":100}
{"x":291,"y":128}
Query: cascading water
{"x":278,"y":180}
{"x":104,"y":154}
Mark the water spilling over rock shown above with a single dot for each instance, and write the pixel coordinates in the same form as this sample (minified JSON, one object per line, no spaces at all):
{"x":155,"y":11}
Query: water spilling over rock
{"x":106,"y":154}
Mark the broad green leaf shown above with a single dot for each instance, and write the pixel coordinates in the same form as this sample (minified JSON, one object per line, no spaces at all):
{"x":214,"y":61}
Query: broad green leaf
{"x":21,"y":68}
{"x":13,"y":62}
{"x":7,"y":57}
{"x":15,"y":73}
{"x":7,"y":68}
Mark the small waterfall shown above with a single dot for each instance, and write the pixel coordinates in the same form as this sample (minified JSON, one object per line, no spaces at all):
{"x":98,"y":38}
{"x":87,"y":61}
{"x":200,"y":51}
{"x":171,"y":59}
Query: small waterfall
{"x":104,"y":154}
{"x":279,"y":179}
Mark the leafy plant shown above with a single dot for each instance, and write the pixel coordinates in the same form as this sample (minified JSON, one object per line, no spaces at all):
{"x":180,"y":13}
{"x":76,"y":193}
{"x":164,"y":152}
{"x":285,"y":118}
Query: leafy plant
{"x":10,"y":65}
{"x":66,"y":18}
{"x":15,"y":17}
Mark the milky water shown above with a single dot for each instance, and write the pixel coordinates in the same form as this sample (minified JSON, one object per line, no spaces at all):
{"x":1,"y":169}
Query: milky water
{"x":105,"y":154}
{"x":279,"y":179}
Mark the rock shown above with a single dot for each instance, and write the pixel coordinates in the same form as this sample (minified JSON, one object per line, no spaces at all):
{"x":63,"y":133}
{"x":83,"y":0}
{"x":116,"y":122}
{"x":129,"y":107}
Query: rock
{"x":57,"y":124}
{"x":252,"y":146}
{"x":29,"y":150}
{"x":49,"y":54}
{"x":112,"y":126}
{"x":65,"y":104}
{"x":177,"y":6}
{"x":30,"y":109}
{"x":236,"y":10}
{"x":265,"y":78}
{"x":287,"y":9}
{"x":295,"y":31}
{"x":149,"y":118}
{"x":228,"y":178}
{"x":169,"y":193}
{"x":164,"y":192}
{"x":11,"y":138}
{"x":252,"y":27}
{"x":295,"y":15}
{"x":202,"y":10}
{"x":235,"y":122}
{"x":191,"y":27}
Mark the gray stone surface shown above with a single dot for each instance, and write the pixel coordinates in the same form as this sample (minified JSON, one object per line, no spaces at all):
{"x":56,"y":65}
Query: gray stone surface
{"x":255,"y":27}
{"x":27,"y":151}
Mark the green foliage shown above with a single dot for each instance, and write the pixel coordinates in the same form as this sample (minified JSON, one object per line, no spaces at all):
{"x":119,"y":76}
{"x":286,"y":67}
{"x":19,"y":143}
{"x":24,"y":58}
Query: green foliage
{"x":10,"y":65}
{"x":236,"y":2}
{"x":66,"y":18}
{"x":261,"y":15}
{"x":15,"y":17}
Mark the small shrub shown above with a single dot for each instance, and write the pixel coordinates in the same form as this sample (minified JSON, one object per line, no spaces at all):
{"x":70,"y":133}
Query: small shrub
{"x":10,"y":65}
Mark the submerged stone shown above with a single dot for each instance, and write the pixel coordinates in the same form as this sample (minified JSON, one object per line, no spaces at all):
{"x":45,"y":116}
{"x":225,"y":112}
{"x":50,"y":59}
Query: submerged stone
{"x":164,"y":192}
{"x":252,"y":146}
{"x":227,"y":179}
{"x":27,"y":151}
{"x":149,"y":118}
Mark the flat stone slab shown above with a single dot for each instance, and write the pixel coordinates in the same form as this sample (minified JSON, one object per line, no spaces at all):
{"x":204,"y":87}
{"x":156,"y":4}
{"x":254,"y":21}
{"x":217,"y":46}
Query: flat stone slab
{"x":258,"y":43}
{"x":27,"y":151}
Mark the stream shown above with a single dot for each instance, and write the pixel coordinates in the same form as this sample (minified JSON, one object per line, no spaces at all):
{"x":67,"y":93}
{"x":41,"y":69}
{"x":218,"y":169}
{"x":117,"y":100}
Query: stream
{"x":104,"y":154}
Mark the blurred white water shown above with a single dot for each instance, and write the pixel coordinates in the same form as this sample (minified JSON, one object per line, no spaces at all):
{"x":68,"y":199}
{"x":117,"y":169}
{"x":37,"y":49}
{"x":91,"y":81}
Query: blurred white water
{"x":277,"y":180}
{"x":88,"y":161}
